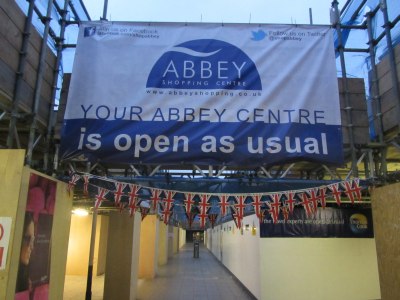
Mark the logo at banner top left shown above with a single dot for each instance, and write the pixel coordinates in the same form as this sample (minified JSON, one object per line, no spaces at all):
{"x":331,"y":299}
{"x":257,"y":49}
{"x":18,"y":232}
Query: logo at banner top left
{"x":89,"y":31}
{"x":205,"y":64}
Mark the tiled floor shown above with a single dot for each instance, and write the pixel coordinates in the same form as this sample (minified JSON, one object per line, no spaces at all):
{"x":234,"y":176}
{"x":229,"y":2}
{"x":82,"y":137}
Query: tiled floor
{"x":183,"y":278}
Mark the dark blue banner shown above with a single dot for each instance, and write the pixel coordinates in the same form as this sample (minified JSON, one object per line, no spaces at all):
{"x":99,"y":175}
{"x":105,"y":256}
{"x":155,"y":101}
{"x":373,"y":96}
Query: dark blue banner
{"x":231,"y":143}
{"x":328,"y":222}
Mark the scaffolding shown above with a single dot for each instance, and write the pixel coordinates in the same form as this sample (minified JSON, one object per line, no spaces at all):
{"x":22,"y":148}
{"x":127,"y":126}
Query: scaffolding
{"x":35,"y":85}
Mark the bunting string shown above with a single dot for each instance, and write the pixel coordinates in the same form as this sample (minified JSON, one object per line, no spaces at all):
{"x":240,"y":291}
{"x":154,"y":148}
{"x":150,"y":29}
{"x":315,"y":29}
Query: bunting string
{"x":211,"y":208}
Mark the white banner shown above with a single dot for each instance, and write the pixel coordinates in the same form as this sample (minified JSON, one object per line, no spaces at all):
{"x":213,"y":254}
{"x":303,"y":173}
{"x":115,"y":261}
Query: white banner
{"x":233,"y":94}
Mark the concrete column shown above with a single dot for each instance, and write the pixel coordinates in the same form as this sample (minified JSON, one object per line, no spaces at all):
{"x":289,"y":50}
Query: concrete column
{"x":170,"y":241}
{"x":162,"y":244}
{"x":182,"y":237}
{"x":121,"y":272}
{"x":176,"y":239}
{"x":148,"y":257}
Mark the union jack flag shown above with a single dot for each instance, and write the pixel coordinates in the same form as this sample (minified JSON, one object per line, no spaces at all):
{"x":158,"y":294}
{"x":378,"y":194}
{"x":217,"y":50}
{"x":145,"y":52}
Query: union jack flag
{"x":290,"y":201}
{"x":236,"y":218}
{"x":257,"y":206}
{"x":133,"y":207}
{"x":100,"y":197}
{"x":203,"y":209}
{"x":71,"y":184}
{"x":307,"y":205}
{"x":189,"y":202}
{"x":119,"y":192}
{"x":223,"y":204}
{"x":168,"y":204}
{"x":274,"y":206}
{"x":352,"y":189}
{"x":144,"y":211}
{"x":213,"y":219}
{"x":190,"y":217}
{"x":155,"y":198}
{"x":85,"y":184}
{"x":334,"y":187}
{"x":240,"y":205}
{"x":285,"y":212}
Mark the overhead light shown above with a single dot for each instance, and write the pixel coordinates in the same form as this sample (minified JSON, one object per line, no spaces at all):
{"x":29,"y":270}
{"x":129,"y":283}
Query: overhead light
{"x":80,"y":212}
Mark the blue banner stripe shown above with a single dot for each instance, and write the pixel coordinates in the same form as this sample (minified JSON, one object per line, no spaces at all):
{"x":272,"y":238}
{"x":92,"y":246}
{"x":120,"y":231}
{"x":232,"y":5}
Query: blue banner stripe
{"x":201,"y":142}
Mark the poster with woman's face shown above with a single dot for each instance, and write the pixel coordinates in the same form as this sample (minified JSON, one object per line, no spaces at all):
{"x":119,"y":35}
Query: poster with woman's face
{"x":34,"y":263}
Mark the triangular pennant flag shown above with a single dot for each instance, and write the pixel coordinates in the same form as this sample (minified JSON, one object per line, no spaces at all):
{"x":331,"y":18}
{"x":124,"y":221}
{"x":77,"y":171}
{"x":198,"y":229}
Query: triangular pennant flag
{"x":190,"y":217}
{"x":155,"y":198}
{"x":313,"y":199}
{"x":336,"y":193}
{"x":100,"y":197}
{"x":189,"y":202}
{"x":166,"y":215}
{"x":285,"y":212}
{"x":257,"y":204}
{"x":203,"y":218}
{"x":352,"y":189}
{"x":86,"y":178}
{"x":133,"y":207}
{"x":322,"y":196}
{"x":236,"y":218}
{"x":121,"y":206}
{"x":203,"y":209}
{"x":168,"y":204}
{"x":133,"y":194}
{"x":169,"y":200}
{"x":144,"y":211}
{"x":307,"y":204}
{"x":213,"y":219}
{"x":71,"y":184}
{"x":119,"y":192}
{"x":264,"y":211}
{"x":224,"y":203}
{"x":204,"y":202}
{"x":290,"y":201}
{"x":240,"y":205}
{"x":274,"y":206}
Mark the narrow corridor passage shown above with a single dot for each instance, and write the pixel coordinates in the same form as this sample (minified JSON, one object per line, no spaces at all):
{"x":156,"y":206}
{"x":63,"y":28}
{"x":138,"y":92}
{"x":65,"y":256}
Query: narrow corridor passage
{"x":182,"y":278}
{"x":188,"y":278}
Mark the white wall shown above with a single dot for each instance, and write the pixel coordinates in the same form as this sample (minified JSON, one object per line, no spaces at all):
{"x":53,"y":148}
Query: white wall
{"x":297,"y":268}
{"x":319,"y":268}
{"x":240,"y":252}
{"x":182,"y":237}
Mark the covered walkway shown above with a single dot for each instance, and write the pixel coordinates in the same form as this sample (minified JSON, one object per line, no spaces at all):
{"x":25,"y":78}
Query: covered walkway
{"x":182,"y":278}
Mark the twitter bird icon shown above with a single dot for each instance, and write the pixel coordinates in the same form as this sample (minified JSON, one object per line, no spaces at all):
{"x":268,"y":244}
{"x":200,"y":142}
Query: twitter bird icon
{"x":258,"y":35}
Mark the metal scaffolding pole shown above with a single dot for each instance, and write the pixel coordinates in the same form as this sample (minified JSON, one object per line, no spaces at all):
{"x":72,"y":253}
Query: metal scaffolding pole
{"x":374,"y":87}
{"x":348,"y":108}
{"x":389,"y":43}
{"x":38,"y":85}
{"x":105,"y":8}
{"x":53,"y":113}
{"x":12,"y":131}
{"x":375,"y":95}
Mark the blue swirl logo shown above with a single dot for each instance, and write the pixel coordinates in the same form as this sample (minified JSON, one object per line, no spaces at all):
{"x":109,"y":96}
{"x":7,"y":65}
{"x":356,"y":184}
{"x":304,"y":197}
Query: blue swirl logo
{"x":205,"y":64}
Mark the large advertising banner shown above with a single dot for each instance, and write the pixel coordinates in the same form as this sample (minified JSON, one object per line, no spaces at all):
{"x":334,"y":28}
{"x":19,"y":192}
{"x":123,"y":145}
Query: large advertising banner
{"x":225,"y":94}
{"x":34,"y":264}
{"x":324,"y":223}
